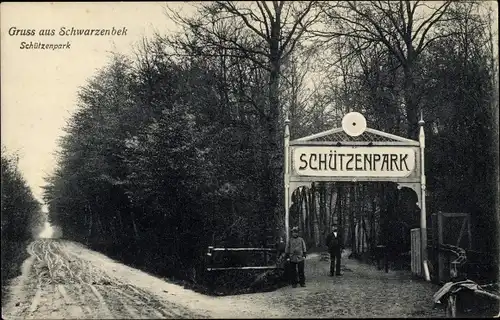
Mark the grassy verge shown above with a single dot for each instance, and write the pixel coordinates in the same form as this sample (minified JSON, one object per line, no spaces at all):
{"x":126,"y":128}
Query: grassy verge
{"x":13,"y":254}
{"x":210,"y":283}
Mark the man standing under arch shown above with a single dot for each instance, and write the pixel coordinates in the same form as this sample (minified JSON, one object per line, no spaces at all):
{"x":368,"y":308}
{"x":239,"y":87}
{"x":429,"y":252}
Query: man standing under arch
{"x":335,"y":247}
{"x":296,"y":254}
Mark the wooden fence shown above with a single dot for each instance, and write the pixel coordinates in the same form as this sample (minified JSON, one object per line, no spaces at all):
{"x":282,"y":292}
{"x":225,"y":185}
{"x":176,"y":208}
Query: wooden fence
{"x":416,"y":253}
{"x":267,"y":253}
{"x":451,"y":259}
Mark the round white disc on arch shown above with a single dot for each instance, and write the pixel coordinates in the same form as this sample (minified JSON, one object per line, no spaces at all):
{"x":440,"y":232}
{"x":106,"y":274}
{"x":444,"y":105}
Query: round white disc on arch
{"x":354,"y":124}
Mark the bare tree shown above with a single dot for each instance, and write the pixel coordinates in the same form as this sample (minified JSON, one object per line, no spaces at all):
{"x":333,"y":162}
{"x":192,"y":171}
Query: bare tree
{"x":405,"y":28}
{"x":275,"y":29}
{"x":302,"y":97}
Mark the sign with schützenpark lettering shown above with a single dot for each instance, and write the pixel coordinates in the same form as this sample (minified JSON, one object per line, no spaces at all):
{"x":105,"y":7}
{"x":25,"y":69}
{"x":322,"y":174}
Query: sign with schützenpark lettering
{"x":351,"y":161}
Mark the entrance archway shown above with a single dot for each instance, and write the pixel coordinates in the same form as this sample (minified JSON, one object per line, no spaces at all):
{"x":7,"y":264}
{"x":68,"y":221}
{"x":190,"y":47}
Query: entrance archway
{"x":355,"y":153}
{"x":369,"y":215}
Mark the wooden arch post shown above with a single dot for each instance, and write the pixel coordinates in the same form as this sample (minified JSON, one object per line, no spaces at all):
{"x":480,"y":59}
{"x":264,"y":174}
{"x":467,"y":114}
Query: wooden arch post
{"x":423,"y":212}
{"x":354,"y":153}
{"x":287,"y":180}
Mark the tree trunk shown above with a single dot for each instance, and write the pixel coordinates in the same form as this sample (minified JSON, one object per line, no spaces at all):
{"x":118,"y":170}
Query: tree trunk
{"x":120,"y":221}
{"x":340,"y":218}
{"x":330,"y":209}
{"x":134,"y":225}
{"x":411,"y":105}
{"x":310,"y":226}
{"x":372,"y":224}
{"x":352,"y":200}
{"x":334,"y":209}
{"x":305,"y":218}
{"x":312,"y":208}
{"x":99,"y":224}
{"x":317,"y":216}
{"x":272,"y":158}
{"x":90,"y":225}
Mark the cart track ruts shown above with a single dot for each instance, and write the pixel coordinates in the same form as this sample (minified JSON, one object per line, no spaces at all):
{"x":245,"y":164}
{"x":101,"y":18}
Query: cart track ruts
{"x":63,"y":285}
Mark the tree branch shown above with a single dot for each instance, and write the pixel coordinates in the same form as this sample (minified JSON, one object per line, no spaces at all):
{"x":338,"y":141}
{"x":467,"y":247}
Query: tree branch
{"x":442,"y":36}
{"x":402,"y":16}
{"x":268,"y":31}
{"x":388,"y":14}
{"x":431,"y":21}
{"x":294,"y":27}
{"x":287,"y":15}
{"x":240,"y":46}
{"x":380,"y":31}
{"x":269,"y":13}
{"x":229,"y":7}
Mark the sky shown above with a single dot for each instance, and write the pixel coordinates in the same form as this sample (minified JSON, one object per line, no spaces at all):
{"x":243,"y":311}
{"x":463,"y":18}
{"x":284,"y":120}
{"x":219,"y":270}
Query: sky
{"x":39,"y":87}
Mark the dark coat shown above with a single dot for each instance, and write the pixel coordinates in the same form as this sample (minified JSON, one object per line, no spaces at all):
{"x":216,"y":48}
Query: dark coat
{"x":333,"y":243}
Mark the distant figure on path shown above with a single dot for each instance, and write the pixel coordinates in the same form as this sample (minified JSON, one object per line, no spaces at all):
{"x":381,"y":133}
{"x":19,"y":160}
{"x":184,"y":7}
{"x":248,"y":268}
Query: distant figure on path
{"x":296,"y":253}
{"x":335,"y":248}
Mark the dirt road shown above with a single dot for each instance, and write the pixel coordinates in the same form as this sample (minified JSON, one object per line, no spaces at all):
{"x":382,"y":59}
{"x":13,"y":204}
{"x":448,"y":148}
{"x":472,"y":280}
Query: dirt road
{"x":57,"y":283}
{"x":65,"y":280}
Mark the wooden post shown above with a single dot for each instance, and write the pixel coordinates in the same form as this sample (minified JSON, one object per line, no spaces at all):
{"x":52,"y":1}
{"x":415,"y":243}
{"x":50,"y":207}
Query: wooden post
{"x":287,"y":180}
{"x":210,"y":261}
{"x":451,"y":306}
{"x":423,"y":216}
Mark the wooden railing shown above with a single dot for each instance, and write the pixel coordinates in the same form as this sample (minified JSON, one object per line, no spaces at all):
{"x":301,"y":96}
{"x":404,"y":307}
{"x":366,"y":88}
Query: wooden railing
{"x":266,"y":252}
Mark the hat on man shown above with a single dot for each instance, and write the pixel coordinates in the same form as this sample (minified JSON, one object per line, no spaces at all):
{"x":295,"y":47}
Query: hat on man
{"x":295,"y":229}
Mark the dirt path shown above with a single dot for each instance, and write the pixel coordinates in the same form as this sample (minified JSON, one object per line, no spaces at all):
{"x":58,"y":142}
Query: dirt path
{"x":56,"y":283}
{"x":63,"y":279}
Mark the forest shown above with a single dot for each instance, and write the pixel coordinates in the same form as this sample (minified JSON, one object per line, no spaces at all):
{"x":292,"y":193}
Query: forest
{"x":21,"y":217}
{"x":179,"y":146}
